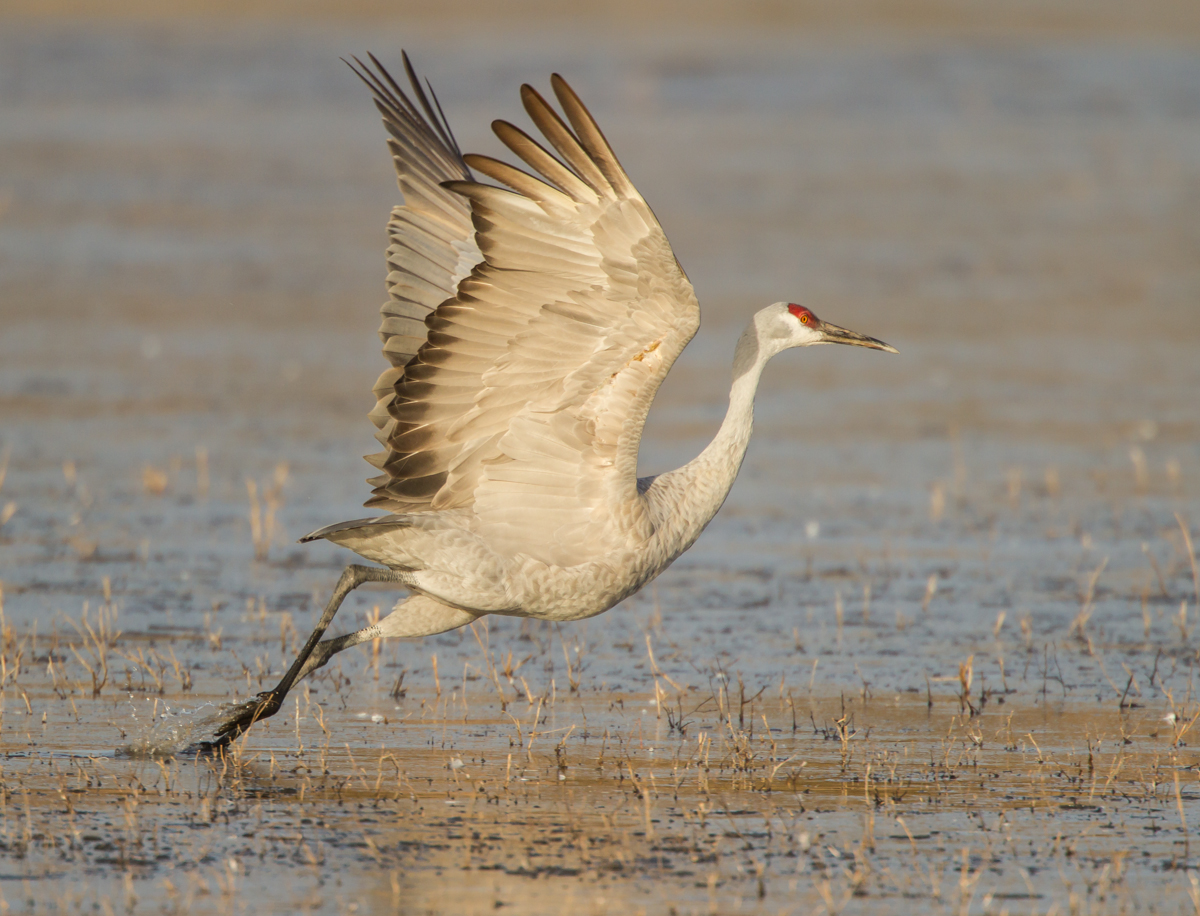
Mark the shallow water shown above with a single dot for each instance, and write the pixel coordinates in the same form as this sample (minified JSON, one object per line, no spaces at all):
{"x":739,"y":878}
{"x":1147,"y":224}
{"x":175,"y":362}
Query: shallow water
{"x":189,"y":276}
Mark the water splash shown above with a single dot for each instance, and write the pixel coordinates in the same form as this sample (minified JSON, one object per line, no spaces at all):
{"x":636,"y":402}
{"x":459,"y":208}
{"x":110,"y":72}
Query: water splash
{"x":178,"y":731}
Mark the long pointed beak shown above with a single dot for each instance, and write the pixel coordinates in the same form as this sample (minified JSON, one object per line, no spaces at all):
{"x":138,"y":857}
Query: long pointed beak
{"x":833,"y":334}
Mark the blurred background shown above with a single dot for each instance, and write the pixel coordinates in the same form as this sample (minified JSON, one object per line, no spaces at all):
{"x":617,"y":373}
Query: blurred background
{"x":192,"y":207}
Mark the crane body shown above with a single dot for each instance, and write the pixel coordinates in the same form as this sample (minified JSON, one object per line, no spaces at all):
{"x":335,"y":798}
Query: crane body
{"x":528,"y":330}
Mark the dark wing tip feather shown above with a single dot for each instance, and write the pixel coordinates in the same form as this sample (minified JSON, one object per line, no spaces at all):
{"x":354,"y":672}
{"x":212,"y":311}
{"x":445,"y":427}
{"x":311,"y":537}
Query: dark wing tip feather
{"x":470,"y":188}
{"x":564,"y":140}
{"x":439,"y":123}
{"x":394,"y":103}
{"x":591,"y":137}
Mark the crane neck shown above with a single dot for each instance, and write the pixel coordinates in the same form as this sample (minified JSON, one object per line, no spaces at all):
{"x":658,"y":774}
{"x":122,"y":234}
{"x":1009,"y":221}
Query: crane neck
{"x":722,"y":458}
{"x":691,"y":495}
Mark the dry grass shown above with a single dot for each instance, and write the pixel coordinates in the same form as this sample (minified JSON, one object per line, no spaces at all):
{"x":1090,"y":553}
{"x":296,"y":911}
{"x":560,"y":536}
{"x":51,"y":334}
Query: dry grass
{"x":866,"y":804}
{"x":264,"y":513}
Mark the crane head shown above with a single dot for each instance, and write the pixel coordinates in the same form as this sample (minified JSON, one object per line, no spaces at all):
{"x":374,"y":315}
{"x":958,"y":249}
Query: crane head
{"x":785,"y":325}
{"x":790,"y":325}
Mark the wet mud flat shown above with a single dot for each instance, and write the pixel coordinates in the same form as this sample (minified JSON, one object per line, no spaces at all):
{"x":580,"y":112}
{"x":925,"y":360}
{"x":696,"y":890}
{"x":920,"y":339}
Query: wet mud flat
{"x":938,"y":650}
{"x":726,"y":796}
{"x":972,"y":689}
{"x":854,"y":727}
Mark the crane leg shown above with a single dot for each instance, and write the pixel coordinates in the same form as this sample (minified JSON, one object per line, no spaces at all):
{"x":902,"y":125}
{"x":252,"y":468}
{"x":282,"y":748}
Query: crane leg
{"x":413,"y":618}
{"x":265,"y":705}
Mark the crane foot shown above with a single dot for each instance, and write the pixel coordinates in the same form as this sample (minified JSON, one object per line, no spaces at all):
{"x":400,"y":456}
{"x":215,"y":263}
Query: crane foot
{"x":240,"y":717}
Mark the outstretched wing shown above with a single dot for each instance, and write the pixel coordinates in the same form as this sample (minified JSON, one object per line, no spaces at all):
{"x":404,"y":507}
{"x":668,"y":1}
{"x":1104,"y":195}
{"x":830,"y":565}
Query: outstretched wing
{"x":527,"y":400}
{"x":431,"y":249}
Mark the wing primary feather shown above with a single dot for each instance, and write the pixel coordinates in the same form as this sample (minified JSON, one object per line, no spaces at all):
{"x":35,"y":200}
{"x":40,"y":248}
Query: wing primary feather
{"x":449,"y":132}
{"x":443,"y":132}
{"x":539,"y":158}
{"x":592,"y":138}
{"x":527,"y":184}
{"x":396,"y":103}
{"x":391,"y":106}
{"x":556,"y":131}
{"x":473,"y":190}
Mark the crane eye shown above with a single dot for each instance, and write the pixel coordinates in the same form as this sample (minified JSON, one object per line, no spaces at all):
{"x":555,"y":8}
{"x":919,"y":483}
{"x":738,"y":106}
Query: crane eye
{"x":801,"y":313}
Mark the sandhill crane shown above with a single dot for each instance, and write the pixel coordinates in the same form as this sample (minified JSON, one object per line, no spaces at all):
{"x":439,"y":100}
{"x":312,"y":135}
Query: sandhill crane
{"x":528,"y":329}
